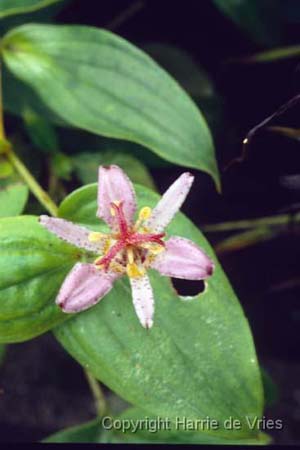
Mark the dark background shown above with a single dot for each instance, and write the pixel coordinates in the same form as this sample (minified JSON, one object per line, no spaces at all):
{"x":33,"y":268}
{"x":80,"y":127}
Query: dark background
{"x":37,"y":398}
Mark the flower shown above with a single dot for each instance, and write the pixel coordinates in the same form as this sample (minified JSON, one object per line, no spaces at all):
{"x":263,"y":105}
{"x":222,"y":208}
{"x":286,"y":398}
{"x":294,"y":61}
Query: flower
{"x":131,"y":247}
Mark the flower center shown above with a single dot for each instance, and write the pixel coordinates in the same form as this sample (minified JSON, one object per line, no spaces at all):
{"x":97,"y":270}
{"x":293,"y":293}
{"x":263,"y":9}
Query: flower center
{"x":131,"y":248}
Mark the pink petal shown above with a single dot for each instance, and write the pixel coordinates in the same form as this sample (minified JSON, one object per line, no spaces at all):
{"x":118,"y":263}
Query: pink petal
{"x":114,"y":185}
{"x":68,"y":231}
{"x":170,"y":203}
{"x":182,"y":258}
{"x":143,"y":301}
{"x":83,"y":287}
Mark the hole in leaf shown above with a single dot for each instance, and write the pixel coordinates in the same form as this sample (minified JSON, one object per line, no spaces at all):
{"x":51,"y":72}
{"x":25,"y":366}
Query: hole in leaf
{"x":188,"y":287}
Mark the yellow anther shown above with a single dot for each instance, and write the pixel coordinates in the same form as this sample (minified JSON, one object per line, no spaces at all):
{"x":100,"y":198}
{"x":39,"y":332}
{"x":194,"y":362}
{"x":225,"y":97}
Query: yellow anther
{"x":145,"y":213}
{"x":116,"y":267}
{"x":112,"y":211}
{"x":133,"y":271}
{"x":130,"y":255}
{"x":106,"y":246}
{"x":98,"y":266}
{"x":153,"y":248}
{"x":94,"y":236}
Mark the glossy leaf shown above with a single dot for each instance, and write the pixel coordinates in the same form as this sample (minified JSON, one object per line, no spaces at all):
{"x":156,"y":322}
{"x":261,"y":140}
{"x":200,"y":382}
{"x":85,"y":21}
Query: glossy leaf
{"x":97,"y":81}
{"x":13,"y":7}
{"x":18,"y":98}
{"x":13,"y":198}
{"x":33,"y":264}
{"x":259,"y":18}
{"x":183,"y":68}
{"x":13,"y":191}
{"x":197,"y":360}
{"x":40,"y":131}
{"x":86,"y":166}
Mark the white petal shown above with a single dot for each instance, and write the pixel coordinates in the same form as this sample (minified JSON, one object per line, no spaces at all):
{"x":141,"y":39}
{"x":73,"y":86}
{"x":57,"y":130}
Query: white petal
{"x":68,"y":231}
{"x":83,"y":287}
{"x":183,"y":258}
{"x":170,"y":203}
{"x":143,"y":300}
{"x":115,"y":186}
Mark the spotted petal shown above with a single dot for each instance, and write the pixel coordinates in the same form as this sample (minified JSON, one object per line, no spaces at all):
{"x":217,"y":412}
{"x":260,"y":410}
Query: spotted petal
{"x":115,"y":186}
{"x":74,"y":234}
{"x":143,"y":301}
{"x":83,"y":287}
{"x":182,"y":258}
{"x":170,"y":203}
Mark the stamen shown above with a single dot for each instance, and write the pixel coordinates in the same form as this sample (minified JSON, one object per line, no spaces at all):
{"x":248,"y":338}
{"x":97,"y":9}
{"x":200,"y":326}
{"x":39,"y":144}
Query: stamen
{"x":155,"y":249}
{"x":94,"y":236}
{"x":133,"y":271}
{"x":145,"y":213}
{"x":112,"y":210}
{"x":130,"y":255}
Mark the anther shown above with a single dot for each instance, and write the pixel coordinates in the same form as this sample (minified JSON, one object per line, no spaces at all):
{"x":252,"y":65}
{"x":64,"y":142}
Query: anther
{"x":133,"y":271}
{"x":94,"y":236}
{"x":145,"y":213}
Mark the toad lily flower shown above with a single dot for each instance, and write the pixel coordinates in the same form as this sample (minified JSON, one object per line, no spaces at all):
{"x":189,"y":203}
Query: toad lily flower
{"x":131,"y":248}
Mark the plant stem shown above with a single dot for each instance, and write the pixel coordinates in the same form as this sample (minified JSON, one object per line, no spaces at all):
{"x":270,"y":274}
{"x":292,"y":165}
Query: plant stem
{"x":31,"y":182}
{"x":2,"y":131}
{"x":100,"y":401}
{"x":279,"y":220}
{"x":125,"y":15}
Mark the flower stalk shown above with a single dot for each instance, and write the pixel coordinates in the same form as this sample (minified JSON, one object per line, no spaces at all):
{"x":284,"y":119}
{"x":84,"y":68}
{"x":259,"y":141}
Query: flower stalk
{"x":41,"y":195}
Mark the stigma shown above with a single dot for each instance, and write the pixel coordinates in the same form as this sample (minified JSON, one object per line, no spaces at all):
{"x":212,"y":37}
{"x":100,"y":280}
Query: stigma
{"x":130,"y":249}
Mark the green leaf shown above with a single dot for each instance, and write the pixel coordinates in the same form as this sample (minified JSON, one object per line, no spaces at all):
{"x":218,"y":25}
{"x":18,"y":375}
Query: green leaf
{"x":183,"y":68}
{"x":198,"y":360}
{"x":18,"y":98}
{"x":13,"y":192}
{"x":13,"y":7}
{"x":6,"y":169}
{"x":99,"y":82}
{"x":62,"y":165}
{"x":40,"y":131}
{"x":13,"y":198}
{"x":87,"y":432}
{"x":86,"y":166}
{"x":260,"y":19}
{"x":33,"y":264}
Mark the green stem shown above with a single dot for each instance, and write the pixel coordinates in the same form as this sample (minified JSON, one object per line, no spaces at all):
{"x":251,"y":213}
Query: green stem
{"x":31,"y":182}
{"x":279,"y":220}
{"x":2,"y":131}
{"x":100,"y":401}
